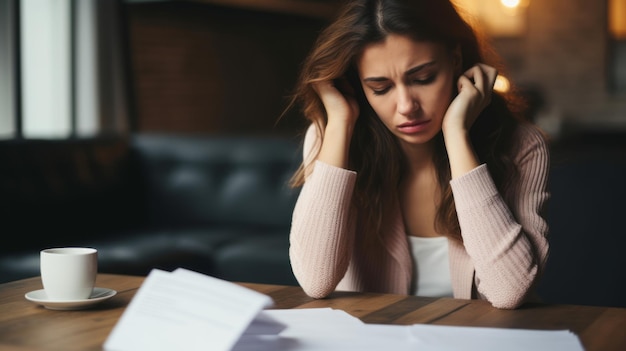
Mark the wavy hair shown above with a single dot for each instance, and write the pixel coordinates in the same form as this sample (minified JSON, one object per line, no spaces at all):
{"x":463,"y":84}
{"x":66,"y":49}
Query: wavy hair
{"x":374,"y":151}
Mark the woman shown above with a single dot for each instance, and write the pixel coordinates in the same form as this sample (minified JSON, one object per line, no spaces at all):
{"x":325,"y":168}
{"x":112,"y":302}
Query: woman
{"x":416,"y":178}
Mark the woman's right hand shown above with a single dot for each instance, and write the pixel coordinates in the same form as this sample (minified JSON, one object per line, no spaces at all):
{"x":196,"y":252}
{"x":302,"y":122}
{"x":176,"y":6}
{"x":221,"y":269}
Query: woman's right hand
{"x":339,"y":101}
{"x":342,"y":111}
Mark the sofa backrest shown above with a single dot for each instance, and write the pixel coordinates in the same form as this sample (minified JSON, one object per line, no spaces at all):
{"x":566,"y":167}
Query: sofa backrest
{"x":231,"y":180}
{"x":52,"y":190}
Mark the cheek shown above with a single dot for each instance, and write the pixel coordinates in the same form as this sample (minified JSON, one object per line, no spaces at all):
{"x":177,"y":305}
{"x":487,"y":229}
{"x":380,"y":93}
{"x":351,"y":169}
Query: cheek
{"x":450,"y":86}
{"x":445,"y":93}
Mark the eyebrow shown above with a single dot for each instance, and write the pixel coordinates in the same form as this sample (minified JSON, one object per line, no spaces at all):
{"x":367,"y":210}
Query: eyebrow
{"x":407,"y":73}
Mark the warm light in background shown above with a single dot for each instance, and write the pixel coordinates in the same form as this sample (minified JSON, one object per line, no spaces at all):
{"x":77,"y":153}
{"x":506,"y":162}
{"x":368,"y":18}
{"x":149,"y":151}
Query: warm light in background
{"x":510,"y":3}
{"x":499,"y":18}
{"x":514,"y":4}
{"x":617,"y":18}
{"x":502,"y":84}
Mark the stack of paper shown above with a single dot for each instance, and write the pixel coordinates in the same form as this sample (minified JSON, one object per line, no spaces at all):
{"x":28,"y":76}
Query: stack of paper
{"x":184,"y":310}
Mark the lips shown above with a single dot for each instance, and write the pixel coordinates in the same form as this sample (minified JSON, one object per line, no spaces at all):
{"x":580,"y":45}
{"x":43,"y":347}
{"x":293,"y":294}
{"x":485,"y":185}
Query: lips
{"x":413,"y":126}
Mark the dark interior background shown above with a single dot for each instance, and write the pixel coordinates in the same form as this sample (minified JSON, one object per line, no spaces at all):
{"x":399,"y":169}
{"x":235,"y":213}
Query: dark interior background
{"x":205,"y":67}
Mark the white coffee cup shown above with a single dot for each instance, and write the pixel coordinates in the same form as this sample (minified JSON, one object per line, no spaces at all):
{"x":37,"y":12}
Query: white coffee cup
{"x":68,"y":273}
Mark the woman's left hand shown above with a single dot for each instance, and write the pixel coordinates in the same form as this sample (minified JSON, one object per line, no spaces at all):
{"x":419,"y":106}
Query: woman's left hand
{"x":475,"y":88}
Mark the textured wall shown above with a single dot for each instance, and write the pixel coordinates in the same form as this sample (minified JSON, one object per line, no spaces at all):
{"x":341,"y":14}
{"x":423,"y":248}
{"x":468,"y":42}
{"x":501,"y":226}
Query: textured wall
{"x":565,"y":54}
{"x":204,"y":68}
{"x":200,"y":67}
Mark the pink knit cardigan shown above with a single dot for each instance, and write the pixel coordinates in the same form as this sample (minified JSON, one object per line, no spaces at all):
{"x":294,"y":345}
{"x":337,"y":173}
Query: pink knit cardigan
{"x":504,"y":246}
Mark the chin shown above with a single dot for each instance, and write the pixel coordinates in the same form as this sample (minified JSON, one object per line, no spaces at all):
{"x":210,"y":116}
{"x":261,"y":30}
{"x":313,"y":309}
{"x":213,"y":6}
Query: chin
{"x":416,"y":138}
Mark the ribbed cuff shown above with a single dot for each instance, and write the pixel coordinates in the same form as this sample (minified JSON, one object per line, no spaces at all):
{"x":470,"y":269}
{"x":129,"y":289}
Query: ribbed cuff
{"x":474,"y":187}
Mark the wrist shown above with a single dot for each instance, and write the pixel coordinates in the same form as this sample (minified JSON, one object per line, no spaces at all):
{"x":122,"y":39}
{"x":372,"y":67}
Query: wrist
{"x":339,"y":127}
{"x":452,"y":133}
{"x":461,"y":154}
{"x":336,"y":143}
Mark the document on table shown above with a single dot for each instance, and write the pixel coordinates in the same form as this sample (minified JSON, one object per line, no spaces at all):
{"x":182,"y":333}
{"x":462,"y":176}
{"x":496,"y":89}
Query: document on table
{"x":436,"y":337}
{"x":185,"y":310}
{"x":330,"y":330}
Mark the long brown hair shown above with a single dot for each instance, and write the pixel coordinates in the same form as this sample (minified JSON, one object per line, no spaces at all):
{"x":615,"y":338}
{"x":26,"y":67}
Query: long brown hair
{"x":374,"y":151}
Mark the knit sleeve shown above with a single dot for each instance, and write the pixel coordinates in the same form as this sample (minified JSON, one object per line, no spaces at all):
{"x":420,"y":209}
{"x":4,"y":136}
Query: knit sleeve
{"x":322,"y":229}
{"x":507,"y":240}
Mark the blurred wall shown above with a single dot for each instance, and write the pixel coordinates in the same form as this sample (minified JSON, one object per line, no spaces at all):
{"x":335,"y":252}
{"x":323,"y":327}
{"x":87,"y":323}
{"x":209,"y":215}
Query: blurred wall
{"x":201,"y":67}
{"x":565,"y":56}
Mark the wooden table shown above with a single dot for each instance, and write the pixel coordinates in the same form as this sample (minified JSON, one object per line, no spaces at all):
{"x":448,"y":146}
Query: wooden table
{"x":27,"y":326}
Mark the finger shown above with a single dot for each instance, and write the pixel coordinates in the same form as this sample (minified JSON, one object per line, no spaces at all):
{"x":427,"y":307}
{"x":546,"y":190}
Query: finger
{"x":479,"y":80}
{"x":477,"y":75}
{"x":491,"y":74}
{"x":483,"y":78}
{"x":322,"y":87}
{"x":464,"y":83}
{"x":325,"y":90}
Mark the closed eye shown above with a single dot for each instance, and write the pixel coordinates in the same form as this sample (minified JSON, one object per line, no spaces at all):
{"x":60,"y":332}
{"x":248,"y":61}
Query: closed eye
{"x":424,"y":81}
{"x":380,"y":91}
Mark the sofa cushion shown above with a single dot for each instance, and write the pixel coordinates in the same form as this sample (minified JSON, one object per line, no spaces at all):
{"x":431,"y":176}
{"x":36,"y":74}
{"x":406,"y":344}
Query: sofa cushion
{"x":258,"y":259}
{"x":197,"y":180}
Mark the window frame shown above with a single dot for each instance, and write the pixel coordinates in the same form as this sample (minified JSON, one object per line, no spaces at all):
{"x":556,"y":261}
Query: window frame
{"x":99,"y":71}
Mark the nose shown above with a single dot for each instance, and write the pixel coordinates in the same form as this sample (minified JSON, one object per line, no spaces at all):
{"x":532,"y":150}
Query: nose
{"x":407,"y":104}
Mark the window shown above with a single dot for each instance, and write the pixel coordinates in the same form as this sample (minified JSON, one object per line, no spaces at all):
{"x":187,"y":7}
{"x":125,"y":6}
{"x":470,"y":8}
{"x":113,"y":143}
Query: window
{"x":65,"y":64}
{"x":7,"y":62}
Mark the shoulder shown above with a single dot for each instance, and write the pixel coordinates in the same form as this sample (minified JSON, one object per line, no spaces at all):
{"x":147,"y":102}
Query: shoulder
{"x":529,"y":133}
{"x":529,"y":142}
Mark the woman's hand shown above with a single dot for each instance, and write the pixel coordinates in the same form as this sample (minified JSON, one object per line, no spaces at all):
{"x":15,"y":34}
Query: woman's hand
{"x":475,"y":88}
{"x":342,"y":110}
{"x":339,"y":102}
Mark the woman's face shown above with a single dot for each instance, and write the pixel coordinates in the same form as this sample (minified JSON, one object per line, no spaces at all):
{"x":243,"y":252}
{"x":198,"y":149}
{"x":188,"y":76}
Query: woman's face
{"x":409,"y":85}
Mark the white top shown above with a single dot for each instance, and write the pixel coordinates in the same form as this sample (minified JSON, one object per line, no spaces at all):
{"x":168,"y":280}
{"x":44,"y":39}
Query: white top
{"x":431,"y":266}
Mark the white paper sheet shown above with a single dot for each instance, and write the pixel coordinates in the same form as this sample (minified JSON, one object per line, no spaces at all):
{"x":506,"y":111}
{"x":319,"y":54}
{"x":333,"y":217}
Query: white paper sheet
{"x":443,"y":338}
{"x":329,"y":330}
{"x":185,"y":310}
{"x":326,"y":329}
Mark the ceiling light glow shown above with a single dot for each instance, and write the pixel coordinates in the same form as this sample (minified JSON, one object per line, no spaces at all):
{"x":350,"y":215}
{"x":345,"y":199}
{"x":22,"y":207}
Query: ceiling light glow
{"x":510,"y":3}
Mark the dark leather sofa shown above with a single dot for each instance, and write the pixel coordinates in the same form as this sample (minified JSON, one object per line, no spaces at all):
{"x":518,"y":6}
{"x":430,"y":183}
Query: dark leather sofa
{"x":220,"y":205}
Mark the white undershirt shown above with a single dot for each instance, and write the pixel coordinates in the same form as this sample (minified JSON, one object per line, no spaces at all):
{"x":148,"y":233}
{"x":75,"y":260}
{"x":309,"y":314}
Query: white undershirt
{"x":431,"y":266}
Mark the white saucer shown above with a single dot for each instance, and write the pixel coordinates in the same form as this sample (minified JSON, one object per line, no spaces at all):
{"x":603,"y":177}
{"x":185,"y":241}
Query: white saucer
{"x":98,"y":295}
